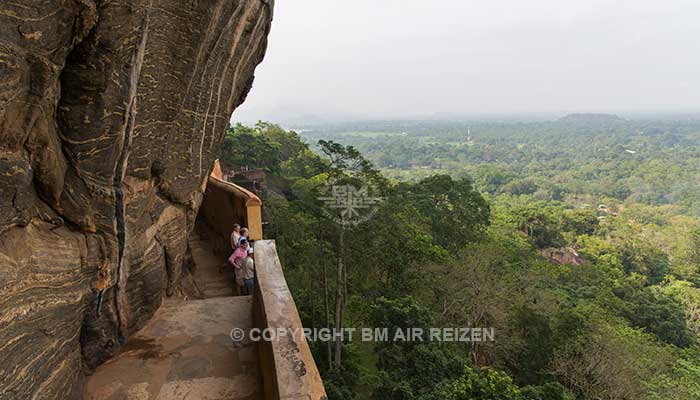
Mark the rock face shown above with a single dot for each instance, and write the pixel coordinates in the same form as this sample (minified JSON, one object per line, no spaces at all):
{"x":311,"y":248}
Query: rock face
{"x":111,"y":113}
{"x":563,"y":255}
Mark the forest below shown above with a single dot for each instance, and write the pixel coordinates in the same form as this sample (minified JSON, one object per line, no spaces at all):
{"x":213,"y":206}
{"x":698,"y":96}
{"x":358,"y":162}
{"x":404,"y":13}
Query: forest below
{"x":576,"y":240}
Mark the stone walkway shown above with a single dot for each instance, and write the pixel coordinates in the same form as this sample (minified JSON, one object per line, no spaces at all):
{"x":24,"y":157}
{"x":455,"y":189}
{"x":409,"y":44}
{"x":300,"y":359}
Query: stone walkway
{"x":185,"y":351}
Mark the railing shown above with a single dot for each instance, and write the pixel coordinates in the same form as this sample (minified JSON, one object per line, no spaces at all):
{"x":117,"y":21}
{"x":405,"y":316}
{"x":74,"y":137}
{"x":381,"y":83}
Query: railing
{"x":225,"y":204}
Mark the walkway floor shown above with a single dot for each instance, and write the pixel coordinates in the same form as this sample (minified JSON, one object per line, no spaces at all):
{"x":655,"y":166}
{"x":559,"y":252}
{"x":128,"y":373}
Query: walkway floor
{"x":185,"y":351}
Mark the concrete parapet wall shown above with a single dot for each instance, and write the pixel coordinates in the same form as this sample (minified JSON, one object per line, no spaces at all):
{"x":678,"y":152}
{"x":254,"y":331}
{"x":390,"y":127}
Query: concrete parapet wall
{"x":287,"y":367}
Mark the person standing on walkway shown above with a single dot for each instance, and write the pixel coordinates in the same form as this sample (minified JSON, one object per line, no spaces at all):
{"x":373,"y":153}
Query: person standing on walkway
{"x":243,"y":236}
{"x":237,"y":259}
{"x":249,"y":274}
{"x":235,"y":236}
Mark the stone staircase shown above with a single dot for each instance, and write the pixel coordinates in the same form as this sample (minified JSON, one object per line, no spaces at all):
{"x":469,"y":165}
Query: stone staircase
{"x":210,"y":278}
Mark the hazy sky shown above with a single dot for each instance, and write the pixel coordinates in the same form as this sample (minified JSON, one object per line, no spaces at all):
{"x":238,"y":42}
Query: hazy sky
{"x":382,"y":58}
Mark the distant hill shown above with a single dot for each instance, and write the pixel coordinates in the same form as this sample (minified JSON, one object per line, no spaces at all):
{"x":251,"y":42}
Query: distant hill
{"x":591,"y":118}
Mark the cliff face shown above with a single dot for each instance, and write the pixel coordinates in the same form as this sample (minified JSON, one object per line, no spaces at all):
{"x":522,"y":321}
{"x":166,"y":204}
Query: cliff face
{"x":111,"y":113}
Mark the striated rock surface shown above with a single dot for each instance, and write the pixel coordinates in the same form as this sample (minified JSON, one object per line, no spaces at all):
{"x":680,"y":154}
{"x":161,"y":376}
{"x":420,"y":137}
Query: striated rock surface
{"x":111,"y":113}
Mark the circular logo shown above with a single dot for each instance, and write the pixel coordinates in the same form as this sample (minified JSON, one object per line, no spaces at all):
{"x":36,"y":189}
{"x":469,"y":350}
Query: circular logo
{"x":237,"y":334}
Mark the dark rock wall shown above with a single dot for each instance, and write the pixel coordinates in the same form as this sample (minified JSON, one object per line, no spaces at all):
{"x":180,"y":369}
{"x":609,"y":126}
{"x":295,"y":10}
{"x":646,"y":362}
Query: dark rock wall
{"x":111,"y":114}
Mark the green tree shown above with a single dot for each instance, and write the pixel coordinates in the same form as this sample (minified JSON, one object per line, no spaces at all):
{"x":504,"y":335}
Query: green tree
{"x":656,"y":313}
{"x":603,"y":358}
{"x":682,"y":382}
{"x":409,"y":369}
{"x":458,"y":213}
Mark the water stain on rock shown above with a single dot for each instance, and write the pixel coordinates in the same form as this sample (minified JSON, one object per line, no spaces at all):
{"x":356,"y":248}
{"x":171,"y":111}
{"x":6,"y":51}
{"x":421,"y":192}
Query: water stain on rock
{"x":147,"y":349}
